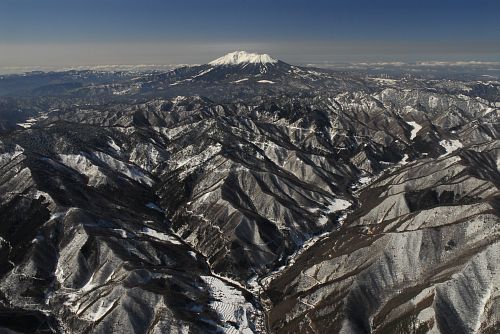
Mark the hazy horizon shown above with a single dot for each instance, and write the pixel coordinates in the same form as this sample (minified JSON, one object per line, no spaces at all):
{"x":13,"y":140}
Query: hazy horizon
{"x":161,"y":57}
{"x":55,"y":34}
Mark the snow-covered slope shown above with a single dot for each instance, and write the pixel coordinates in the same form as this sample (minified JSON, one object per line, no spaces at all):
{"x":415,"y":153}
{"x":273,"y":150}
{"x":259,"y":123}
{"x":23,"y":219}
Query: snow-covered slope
{"x":243,"y":57}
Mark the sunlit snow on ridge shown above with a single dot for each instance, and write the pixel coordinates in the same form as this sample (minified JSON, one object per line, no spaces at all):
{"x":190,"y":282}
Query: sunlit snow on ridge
{"x":242,"y":57}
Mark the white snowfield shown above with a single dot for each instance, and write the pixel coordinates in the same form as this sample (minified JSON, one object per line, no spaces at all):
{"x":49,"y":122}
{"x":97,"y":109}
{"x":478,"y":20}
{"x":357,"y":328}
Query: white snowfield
{"x":237,"y":315}
{"x":416,"y":128}
{"x":243,"y":57}
{"x":450,"y":145}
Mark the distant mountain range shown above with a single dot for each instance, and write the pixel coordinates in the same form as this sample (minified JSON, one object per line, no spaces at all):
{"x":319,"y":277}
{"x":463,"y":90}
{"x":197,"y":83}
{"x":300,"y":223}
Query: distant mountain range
{"x":248,"y":195}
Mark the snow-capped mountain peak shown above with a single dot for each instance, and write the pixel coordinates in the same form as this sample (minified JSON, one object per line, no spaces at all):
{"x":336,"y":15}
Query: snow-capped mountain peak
{"x":243,"y":57}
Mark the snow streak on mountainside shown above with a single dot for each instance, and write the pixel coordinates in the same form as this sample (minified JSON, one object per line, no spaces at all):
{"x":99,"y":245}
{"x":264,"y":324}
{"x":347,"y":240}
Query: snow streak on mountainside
{"x":252,"y":197}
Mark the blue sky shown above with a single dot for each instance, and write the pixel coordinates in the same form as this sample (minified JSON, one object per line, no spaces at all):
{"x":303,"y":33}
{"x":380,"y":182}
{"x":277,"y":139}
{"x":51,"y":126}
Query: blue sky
{"x":51,"y":32}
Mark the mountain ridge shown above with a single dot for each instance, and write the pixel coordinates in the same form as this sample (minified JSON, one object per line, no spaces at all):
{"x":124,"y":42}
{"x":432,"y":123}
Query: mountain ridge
{"x":323,"y":201}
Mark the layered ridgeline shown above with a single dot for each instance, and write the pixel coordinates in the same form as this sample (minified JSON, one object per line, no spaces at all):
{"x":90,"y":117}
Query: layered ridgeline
{"x":248,"y":195}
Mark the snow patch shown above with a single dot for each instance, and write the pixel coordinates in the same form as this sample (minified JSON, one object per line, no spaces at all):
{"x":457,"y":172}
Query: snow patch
{"x":28,"y":123}
{"x":266,"y":81}
{"x":113,"y":145}
{"x":365,"y":180}
{"x":202,"y":73}
{"x":337,"y":205}
{"x":416,"y":128}
{"x":160,"y":236}
{"x":450,"y":145}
